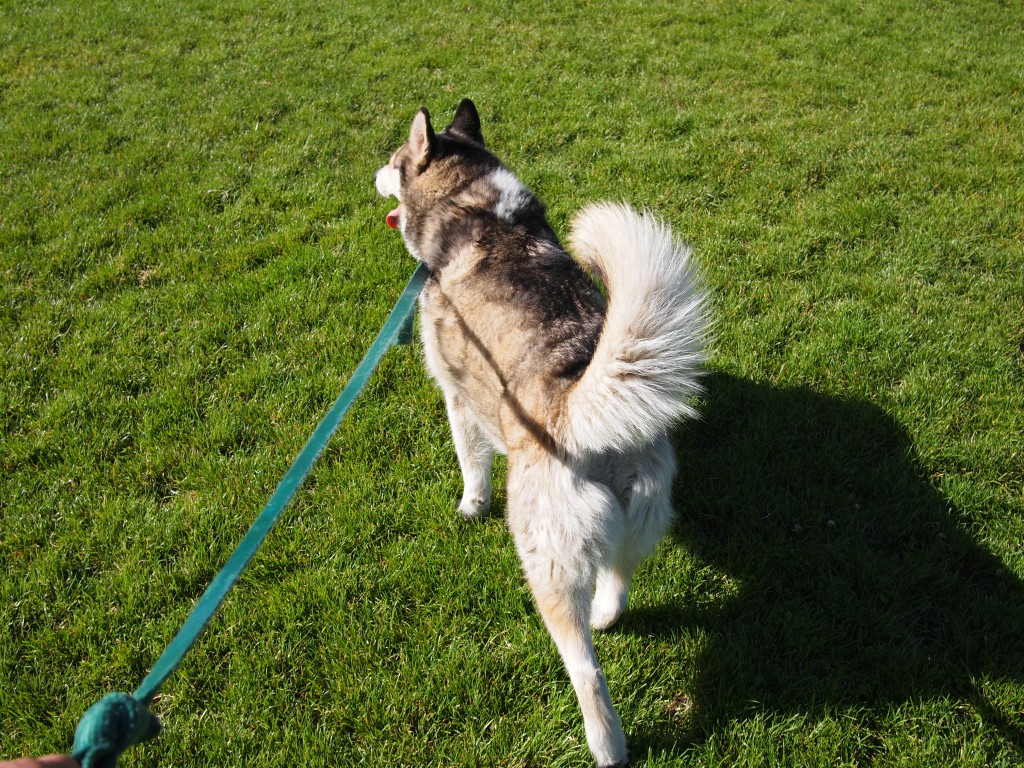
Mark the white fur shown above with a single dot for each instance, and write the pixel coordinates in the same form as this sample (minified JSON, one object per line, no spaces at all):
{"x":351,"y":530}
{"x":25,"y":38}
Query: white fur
{"x":565,"y":525}
{"x":512,"y":194}
{"x":476,"y":456}
{"x":388,"y":181}
{"x":650,"y":356}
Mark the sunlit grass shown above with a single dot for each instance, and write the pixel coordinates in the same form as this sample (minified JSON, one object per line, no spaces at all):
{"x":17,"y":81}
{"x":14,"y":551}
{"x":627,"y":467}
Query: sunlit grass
{"x":193,"y":260}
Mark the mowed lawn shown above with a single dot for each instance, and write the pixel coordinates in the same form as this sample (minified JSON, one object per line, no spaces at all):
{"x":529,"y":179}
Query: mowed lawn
{"x":193,"y":261}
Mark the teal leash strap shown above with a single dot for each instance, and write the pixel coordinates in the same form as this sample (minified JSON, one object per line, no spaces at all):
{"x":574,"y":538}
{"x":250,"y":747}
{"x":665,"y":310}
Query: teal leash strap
{"x":118,"y":720}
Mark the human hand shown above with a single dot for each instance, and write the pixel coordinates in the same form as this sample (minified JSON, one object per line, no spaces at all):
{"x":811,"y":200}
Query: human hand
{"x":50,"y":761}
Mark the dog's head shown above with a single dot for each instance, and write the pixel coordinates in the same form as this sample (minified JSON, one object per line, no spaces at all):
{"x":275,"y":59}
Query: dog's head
{"x":432,"y":167}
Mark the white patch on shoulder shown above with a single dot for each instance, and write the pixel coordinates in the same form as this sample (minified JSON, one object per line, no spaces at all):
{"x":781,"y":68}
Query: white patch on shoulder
{"x":512,"y":194}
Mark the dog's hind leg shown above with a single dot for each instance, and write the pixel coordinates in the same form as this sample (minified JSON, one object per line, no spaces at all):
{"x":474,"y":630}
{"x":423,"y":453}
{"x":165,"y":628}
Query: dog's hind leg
{"x":648,"y":515}
{"x":612,"y":593}
{"x":476,"y":457}
{"x":614,"y":579}
{"x":560,"y":526}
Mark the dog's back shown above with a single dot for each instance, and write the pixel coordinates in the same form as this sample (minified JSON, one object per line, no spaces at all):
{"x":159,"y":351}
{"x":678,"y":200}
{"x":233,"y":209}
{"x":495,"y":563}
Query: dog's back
{"x":511,"y":323}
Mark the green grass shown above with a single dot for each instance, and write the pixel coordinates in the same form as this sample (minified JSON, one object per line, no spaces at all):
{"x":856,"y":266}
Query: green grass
{"x":193,"y":260}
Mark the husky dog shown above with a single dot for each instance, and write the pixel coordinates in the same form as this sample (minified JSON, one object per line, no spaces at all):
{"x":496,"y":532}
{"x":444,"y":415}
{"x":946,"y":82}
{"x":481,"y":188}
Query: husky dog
{"x":534,"y":362}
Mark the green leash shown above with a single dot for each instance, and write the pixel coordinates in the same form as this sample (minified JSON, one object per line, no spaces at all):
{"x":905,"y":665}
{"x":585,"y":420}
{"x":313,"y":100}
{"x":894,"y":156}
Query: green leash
{"x":118,"y":721}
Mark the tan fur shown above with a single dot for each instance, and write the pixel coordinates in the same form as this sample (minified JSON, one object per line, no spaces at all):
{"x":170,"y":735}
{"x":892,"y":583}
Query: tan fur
{"x":491,"y":368}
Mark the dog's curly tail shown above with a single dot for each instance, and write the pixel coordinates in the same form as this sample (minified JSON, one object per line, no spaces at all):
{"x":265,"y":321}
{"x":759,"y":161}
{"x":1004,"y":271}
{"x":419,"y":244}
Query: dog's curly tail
{"x":649,"y":359}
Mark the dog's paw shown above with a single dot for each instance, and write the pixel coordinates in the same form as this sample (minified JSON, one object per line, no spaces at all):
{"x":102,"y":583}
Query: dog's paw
{"x":474,"y":509}
{"x":606,"y":609}
{"x":613,"y":755}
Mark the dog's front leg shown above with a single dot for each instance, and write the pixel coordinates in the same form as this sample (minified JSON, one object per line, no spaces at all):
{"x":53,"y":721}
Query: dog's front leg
{"x":476,"y":456}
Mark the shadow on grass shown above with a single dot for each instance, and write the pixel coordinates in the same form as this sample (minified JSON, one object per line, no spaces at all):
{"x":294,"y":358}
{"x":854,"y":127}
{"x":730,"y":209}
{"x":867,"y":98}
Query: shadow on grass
{"x":857,"y":582}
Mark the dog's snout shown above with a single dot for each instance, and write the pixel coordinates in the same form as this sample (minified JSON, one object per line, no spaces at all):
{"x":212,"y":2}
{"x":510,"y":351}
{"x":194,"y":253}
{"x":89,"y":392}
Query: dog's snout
{"x":387,"y":182}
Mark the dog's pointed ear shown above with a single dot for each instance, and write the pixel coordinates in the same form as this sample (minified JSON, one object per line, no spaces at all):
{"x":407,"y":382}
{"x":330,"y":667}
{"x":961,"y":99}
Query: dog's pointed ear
{"x":422,"y":140}
{"x":467,"y":122}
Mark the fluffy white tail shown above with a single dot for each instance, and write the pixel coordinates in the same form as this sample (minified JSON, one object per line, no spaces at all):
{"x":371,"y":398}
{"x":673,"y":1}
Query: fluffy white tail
{"x":649,"y":359}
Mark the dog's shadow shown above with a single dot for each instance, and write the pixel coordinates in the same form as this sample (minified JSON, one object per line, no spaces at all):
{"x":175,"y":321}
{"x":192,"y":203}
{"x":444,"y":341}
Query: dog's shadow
{"x":854,"y":583}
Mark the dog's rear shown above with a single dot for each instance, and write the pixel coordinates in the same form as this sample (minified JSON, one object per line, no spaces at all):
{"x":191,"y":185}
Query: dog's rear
{"x":585,"y":519}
